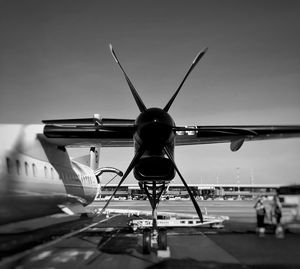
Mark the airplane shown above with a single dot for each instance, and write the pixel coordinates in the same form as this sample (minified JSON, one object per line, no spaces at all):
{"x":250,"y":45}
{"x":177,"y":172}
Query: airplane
{"x":38,"y":178}
{"x":153,"y":134}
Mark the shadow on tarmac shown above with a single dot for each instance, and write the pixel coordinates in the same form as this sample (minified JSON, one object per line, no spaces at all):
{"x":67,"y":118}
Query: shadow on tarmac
{"x":194,"y":264}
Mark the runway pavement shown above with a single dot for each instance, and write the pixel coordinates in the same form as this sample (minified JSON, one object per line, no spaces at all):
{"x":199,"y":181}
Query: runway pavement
{"x":110,"y":244}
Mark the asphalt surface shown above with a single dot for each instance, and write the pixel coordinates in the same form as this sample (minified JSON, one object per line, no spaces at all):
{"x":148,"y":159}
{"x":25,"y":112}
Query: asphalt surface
{"x":111,"y":244}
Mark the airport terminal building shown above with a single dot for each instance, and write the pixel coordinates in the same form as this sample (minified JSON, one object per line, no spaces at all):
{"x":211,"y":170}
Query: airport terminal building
{"x":202,"y":191}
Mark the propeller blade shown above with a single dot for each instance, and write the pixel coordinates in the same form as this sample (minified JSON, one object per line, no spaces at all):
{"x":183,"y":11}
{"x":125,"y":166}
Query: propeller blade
{"x":134,"y":161}
{"x":135,"y":94}
{"x":195,"y":62}
{"x":198,"y":210}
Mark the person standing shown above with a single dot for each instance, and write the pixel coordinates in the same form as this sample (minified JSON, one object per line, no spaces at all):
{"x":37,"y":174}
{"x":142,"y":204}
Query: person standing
{"x":277,"y":211}
{"x":260,"y":217}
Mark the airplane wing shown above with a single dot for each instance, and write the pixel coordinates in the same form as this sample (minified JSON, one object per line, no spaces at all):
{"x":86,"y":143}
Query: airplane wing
{"x":105,"y":132}
{"x":109,"y":132}
{"x":235,"y":135}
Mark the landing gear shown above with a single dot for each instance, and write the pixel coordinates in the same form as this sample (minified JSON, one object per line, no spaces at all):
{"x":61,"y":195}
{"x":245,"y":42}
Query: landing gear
{"x":155,"y":237}
{"x":156,"y":240}
{"x":152,"y":238}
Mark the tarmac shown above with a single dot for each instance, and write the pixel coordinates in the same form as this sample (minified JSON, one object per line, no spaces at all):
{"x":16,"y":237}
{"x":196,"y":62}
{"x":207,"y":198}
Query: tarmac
{"x":107,"y":242}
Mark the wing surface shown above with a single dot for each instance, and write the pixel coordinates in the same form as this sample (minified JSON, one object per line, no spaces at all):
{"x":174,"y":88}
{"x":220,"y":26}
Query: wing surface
{"x":235,"y":135}
{"x":104,"y":132}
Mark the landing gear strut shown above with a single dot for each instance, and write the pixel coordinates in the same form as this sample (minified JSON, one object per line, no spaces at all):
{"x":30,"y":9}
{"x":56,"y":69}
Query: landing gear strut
{"x":155,"y":236}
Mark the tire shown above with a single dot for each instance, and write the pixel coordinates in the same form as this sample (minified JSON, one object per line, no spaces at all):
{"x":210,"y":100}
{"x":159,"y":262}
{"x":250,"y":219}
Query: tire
{"x":162,"y":239}
{"x":147,"y":241}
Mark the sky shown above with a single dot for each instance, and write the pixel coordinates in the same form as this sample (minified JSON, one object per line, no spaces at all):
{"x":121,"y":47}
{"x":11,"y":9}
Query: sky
{"x":55,"y":63}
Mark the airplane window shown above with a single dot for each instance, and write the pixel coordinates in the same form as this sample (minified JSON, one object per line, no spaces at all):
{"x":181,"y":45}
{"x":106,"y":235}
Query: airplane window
{"x":46,"y":171}
{"x":8,"y":165}
{"x":18,"y":167}
{"x":34,"y":170}
{"x":52,"y":173}
{"x":26,"y":168}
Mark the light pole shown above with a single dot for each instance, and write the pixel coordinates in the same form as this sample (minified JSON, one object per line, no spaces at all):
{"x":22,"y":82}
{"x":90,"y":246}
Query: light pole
{"x":238,"y":181}
{"x":252,"y":181}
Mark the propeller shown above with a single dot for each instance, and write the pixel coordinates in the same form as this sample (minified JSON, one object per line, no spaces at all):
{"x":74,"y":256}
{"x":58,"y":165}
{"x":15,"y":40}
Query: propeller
{"x":135,"y":94}
{"x":141,"y":150}
{"x":195,"y":62}
{"x":198,"y":210}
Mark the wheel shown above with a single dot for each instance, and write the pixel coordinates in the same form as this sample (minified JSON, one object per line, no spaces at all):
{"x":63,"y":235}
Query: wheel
{"x":162,"y":239}
{"x":147,"y":241}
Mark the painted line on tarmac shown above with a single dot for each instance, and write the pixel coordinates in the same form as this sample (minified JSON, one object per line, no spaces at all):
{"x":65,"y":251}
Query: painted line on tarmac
{"x":51,"y":243}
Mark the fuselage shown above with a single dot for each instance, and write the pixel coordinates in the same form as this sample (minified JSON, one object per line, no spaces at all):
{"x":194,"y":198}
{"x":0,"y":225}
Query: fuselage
{"x":37,"y":177}
{"x":154,"y":132}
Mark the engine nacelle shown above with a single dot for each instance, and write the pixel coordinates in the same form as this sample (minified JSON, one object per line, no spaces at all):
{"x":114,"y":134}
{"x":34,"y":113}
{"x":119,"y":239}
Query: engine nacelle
{"x":154,"y":168}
